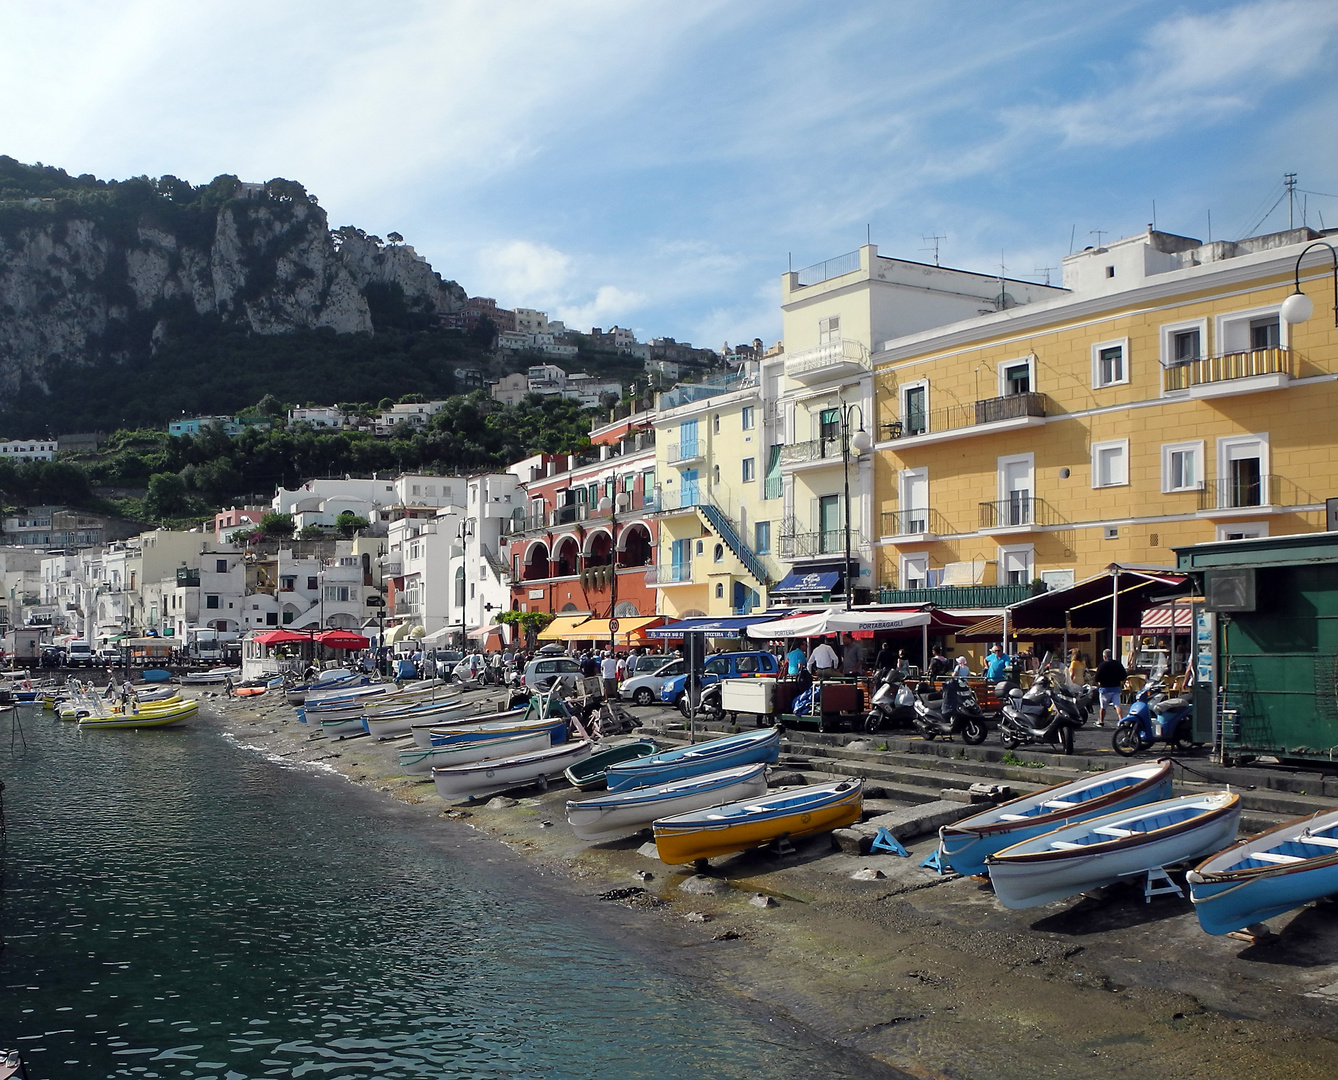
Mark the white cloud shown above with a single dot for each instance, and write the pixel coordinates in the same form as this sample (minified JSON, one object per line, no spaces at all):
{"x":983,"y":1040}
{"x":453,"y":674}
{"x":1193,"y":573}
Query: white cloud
{"x":524,"y":274}
{"x":612,"y":306}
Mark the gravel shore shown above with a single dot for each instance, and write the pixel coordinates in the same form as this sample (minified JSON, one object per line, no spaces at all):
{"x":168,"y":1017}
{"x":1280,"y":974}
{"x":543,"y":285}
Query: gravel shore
{"x":926,"y":974}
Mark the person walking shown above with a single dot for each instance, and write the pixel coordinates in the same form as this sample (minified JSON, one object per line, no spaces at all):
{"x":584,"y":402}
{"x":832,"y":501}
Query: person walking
{"x":823,"y":661}
{"x":852,"y":657}
{"x":608,"y":670}
{"x":996,"y":664}
{"x":1110,"y":676}
{"x":796,"y":659}
{"x":1077,"y":669}
{"x":940,"y":665}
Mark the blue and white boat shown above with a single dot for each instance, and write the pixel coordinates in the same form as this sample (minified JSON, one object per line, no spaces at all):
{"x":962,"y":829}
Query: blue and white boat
{"x":1100,"y":851}
{"x":422,"y":727}
{"x":965,"y":845}
{"x":419,"y":762}
{"x":1267,"y":874}
{"x":747,"y":748}
{"x":556,"y":726}
{"x":607,"y":816}
{"x":486,"y":777}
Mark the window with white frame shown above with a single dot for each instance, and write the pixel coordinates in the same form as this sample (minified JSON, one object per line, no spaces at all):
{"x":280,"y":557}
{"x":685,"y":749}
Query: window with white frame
{"x":1110,"y":363}
{"x":915,"y":407}
{"x":1016,"y":564}
{"x":1250,"y":331}
{"x":1184,"y":342}
{"x":915,"y":570}
{"x":1110,"y":463}
{"x":1242,"y":530}
{"x":747,"y":417}
{"x":914,"y":501}
{"x":749,"y":469}
{"x":1242,"y":470}
{"x":829,"y":330}
{"x":1182,"y":466}
{"x":1017,"y":376}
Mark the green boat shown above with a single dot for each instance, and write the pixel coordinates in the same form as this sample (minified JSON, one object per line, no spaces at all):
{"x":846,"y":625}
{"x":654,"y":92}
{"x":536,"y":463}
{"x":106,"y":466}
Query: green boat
{"x":588,"y":773}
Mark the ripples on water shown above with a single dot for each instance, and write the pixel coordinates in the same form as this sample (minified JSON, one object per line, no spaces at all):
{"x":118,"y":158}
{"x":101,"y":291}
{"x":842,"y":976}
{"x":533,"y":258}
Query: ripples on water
{"x":174,"y":906}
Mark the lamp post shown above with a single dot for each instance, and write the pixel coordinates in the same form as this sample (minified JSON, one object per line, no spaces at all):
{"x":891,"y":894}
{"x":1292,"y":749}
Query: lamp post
{"x":1298,"y":307}
{"x":462,"y":533}
{"x":860,"y":441}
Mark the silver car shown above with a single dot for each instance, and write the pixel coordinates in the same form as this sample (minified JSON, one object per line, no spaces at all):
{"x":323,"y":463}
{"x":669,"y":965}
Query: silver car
{"x":644,"y":689}
{"x":541,"y":673}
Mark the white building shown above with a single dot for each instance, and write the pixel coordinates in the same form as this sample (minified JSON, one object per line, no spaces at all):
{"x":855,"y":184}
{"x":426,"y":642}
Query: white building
{"x":28,"y":449}
{"x":415,"y":414}
{"x":510,"y":389}
{"x":330,"y":416}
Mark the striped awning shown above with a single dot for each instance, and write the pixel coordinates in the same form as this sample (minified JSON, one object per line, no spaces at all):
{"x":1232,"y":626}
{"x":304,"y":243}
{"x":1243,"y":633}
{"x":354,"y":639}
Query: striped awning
{"x":1159,"y":619}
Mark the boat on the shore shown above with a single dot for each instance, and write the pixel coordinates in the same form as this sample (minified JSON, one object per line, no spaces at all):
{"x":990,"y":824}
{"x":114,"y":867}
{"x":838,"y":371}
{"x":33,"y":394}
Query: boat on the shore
{"x":1267,"y":874}
{"x":556,"y":726}
{"x":739,"y":826}
{"x":213,"y":677}
{"x":619,"y":813}
{"x":749,"y":747}
{"x":419,"y":762}
{"x":500,"y":774}
{"x":588,"y":775}
{"x":164,"y":715}
{"x":964,"y":845}
{"x":1100,"y":851}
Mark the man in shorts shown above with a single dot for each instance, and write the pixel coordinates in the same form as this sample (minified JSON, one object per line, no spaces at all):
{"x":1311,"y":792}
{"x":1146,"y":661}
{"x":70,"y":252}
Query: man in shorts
{"x":1110,"y":676}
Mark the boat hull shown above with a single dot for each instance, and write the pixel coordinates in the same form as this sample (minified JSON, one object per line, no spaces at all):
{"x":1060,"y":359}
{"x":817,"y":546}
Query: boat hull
{"x":418,"y":762}
{"x":741,"y":826}
{"x":1267,"y":874}
{"x":144,"y":719}
{"x":501,"y":774}
{"x":687,"y":761}
{"x":1100,"y":851}
{"x":493,"y":729}
{"x":588,"y":775}
{"x":607,"y":816}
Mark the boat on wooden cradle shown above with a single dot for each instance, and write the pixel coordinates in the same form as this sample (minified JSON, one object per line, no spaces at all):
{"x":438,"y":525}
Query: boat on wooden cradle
{"x":1267,"y":874}
{"x":499,"y":774}
{"x":788,"y":813}
{"x":619,"y":813}
{"x":497,"y":729}
{"x":964,"y":845}
{"x":588,"y":775}
{"x":419,"y":762}
{"x":747,"y":748}
{"x":169,"y":714}
{"x":1100,"y":851}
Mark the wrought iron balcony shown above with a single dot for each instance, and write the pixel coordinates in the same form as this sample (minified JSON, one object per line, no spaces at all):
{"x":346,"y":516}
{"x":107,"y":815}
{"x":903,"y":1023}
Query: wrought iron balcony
{"x":1220,"y":369}
{"x":808,"y":452}
{"x":1240,"y":493}
{"x":811,"y":544}
{"x":684,"y":453}
{"x":669,"y":574}
{"x":829,"y":361}
{"x":959,"y":420}
{"x":915,"y":522}
{"x":1019,"y":512}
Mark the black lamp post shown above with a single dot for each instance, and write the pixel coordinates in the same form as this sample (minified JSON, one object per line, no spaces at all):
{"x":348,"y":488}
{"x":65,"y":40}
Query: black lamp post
{"x":1298,"y":307}
{"x":462,"y":533}
{"x":860,"y":441}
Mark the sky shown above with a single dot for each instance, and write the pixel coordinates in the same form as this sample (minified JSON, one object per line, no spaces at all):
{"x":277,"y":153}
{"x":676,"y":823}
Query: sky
{"x":659,"y":165}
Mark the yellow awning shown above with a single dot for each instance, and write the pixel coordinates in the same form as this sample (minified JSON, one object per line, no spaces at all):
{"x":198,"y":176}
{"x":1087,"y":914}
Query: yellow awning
{"x":560,"y":629}
{"x":598,"y":629}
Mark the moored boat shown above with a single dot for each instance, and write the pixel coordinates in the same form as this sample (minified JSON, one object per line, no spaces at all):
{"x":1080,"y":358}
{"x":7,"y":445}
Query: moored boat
{"x":1099,"y":851}
{"x":1267,"y":874}
{"x":762,"y":745}
{"x":756,"y":822}
{"x":499,"y":774}
{"x":173,"y":713}
{"x":623,"y":812}
{"x":588,"y":775}
{"x":964,"y":845}
{"x":419,"y":762}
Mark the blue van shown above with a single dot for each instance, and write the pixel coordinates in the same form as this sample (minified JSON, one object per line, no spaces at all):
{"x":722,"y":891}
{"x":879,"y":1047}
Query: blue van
{"x":730,"y":665}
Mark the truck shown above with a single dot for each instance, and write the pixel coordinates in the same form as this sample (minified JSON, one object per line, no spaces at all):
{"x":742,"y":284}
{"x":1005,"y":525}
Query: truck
{"x":23,"y":645}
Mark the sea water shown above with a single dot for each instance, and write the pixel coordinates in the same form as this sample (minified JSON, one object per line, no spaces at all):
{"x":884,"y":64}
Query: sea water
{"x":175,"y":905}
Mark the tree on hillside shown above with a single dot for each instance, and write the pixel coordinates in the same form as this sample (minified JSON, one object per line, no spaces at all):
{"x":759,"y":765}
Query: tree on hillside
{"x":166,"y":497}
{"x":277,"y":526}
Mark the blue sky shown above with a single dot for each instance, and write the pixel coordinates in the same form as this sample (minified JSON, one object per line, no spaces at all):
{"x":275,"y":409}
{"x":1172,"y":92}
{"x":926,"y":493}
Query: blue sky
{"x":659,"y":165}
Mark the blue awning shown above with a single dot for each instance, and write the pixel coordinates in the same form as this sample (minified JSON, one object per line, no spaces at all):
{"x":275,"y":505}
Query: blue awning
{"x":799,"y":582}
{"x":724,"y":626}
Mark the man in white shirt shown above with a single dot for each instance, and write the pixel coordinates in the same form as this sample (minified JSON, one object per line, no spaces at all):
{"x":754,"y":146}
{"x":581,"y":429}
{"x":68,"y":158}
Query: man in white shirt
{"x":823,"y":661}
{"x":608,"y":670}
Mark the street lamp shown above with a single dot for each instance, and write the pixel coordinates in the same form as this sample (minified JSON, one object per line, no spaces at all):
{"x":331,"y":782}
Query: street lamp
{"x":1298,"y":307}
{"x":462,"y":533}
{"x":859,"y":442}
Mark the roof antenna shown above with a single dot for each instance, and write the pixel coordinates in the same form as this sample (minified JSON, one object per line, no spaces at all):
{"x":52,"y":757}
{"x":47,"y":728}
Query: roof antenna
{"x":934,"y":241}
{"x":868,"y":234}
{"x":1098,"y":233}
{"x":1072,"y":233}
{"x":1046,"y":271}
{"x":1210,"y":225}
{"x":1154,"y":215}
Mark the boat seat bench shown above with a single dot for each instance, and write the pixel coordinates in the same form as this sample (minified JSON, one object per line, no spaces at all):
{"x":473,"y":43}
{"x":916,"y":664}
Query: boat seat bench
{"x":1060,"y":804}
{"x":1274,"y":857}
{"x":1012,"y":817}
{"x":1320,"y":841}
{"x":1111,"y":830}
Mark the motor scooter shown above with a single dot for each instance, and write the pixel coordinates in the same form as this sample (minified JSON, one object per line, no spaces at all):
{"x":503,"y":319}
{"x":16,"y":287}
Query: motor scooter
{"x":893,"y":702}
{"x":1049,"y":711}
{"x":1154,"y":718}
{"x":709,"y":700}
{"x":956,"y":713}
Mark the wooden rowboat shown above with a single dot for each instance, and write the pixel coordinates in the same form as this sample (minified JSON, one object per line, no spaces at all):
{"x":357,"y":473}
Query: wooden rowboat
{"x":696,"y":760}
{"x":419,"y":762}
{"x":500,"y":774}
{"x":622,"y":812}
{"x":588,"y":775}
{"x":739,"y":826}
{"x":1267,"y":874}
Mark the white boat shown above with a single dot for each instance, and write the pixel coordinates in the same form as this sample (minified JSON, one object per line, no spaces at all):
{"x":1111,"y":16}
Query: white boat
{"x":623,"y":812}
{"x":486,"y":777}
{"x":212,"y":677}
{"x":1101,"y":850}
{"x":421,"y":726}
{"x":1267,"y":874}
{"x":419,"y":762}
{"x":481,"y":729}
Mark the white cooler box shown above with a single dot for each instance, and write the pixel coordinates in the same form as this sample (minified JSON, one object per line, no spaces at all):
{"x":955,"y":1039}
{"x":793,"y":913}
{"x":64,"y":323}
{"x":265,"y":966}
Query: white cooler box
{"x":748,"y":695}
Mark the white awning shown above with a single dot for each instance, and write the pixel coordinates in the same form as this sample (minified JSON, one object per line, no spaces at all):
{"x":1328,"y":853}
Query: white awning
{"x":840,"y":621}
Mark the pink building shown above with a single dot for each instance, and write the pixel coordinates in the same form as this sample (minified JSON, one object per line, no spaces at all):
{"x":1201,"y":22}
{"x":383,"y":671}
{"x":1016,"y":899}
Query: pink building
{"x":227,"y":522}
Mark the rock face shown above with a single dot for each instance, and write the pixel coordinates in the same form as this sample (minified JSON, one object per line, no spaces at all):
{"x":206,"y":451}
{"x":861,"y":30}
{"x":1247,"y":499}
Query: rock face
{"x":86,"y":289}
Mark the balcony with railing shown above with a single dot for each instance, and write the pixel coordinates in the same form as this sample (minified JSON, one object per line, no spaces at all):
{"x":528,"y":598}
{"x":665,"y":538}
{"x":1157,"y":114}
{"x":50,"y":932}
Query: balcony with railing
{"x":669,"y":574}
{"x":1019,"y":513}
{"x":808,"y":545}
{"x":812,"y":452}
{"x":958,"y":596}
{"x":920,"y":523}
{"x":962,"y":421}
{"x":1232,"y":373}
{"x":1248,"y":491}
{"x":833,"y":360}
{"x":679,"y":454}
{"x":676,"y":500}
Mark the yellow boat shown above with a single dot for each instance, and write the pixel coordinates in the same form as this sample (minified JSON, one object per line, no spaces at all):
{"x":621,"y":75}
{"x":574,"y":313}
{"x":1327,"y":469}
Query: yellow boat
{"x":163,"y":716}
{"x":789,"y":813}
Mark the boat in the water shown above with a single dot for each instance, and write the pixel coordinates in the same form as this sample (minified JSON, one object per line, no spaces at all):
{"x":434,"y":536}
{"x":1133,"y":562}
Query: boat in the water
{"x":1100,"y":851}
{"x":1267,"y":874}
{"x":163,"y":716}
{"x":762,"y":745}
{"x":419,"y":762}
{"x":619,"y":813}
{"x":749,"y":823}
{"x":964,"y":845}
{"x":588,"y":775}
{"x":499,"y":774}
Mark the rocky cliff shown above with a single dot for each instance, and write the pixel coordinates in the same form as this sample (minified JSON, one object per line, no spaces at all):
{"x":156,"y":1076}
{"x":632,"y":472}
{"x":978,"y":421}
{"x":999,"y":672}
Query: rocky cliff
{"x":93,"y":274}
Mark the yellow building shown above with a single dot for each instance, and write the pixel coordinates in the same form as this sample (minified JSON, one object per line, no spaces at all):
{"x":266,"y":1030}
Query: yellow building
{"x":1160,"y":402}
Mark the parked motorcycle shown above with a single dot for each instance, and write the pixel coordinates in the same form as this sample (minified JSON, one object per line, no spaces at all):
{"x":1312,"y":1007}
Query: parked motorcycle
{"x":709,"y":700}
{"x":1049,"y":711}
{"x":1154,"y":718}
{"x":957,"y":712}
{"x":893,"y":703}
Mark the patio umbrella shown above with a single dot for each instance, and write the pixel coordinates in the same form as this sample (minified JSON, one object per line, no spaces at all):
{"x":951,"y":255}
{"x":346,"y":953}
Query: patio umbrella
{"x":281,"y":637}
{"x":342,"y":639}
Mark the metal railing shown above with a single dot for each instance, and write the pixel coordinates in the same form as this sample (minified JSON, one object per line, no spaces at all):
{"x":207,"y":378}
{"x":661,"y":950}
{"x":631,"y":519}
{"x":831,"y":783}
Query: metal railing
{"x":1018,"y":512}
{"x":1240,"y":493}
{"x":1240,"y":365}
{"x":828,"y":269}
{"x":669,"y":573}
{"x":684,"y":451}
{"x":813,"y":450}
{"x":958,"y":596}
{"x":670,"y":499}
{"x":839,"y":352}
{"x":977,"y":413}
{"x":913,"y":522}
{"x":803,"y":545}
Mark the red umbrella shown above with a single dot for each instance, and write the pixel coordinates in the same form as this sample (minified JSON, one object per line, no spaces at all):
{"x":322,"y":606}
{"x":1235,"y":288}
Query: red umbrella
{"x":281,"y":637}
{"x":342,"y":639}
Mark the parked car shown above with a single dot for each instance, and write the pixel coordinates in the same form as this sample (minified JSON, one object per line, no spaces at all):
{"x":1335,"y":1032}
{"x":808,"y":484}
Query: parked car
{"x":647,"y":663}
{"x":540,"y":673}
{"x":109,"y":656}
{"x":644,"y":688}
{"x":79,"y":654}
{"x":739,"y":665}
